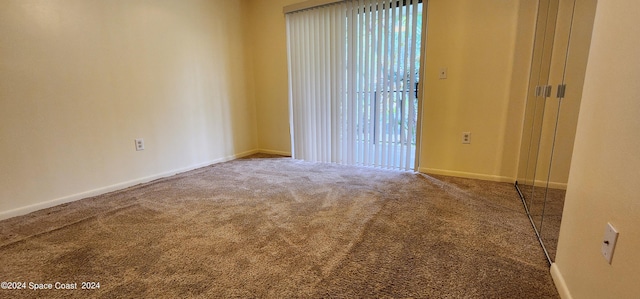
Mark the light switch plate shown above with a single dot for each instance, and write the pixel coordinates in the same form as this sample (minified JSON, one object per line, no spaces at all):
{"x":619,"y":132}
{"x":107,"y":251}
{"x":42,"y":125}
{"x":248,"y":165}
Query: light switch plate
{"x":443,"y":73}
{"x":609,"y":242}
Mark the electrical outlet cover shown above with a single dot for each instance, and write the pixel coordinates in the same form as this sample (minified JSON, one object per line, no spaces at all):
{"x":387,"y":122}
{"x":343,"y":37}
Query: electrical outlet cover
{"x":466,"y":137}
{"x":139,"y":144}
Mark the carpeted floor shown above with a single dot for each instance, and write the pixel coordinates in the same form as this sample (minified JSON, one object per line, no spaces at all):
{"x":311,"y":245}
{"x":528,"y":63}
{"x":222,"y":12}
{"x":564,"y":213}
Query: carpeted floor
{"x":278,"y":228}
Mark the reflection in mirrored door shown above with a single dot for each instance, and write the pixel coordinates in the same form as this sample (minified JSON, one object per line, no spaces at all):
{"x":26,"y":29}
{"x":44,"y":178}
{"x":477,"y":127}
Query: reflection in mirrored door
{"x":542,"y":94}
{"x":528,"y":177}
{"x":562,"y":37}
{"x":563,"y":112}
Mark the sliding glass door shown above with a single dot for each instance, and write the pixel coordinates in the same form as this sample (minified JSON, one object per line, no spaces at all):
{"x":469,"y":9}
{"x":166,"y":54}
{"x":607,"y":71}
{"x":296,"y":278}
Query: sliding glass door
{"x":353,"y":78}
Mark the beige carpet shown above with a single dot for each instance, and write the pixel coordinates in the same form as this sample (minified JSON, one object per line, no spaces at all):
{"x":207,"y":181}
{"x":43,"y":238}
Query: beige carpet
{"x":269,"y":227}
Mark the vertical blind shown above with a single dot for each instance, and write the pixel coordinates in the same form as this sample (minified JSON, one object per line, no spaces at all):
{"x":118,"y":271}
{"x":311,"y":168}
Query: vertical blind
{"x":353,"y":82}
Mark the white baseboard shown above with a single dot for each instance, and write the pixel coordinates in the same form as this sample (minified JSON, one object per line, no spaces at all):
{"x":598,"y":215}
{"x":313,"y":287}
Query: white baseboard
{"x":102,"y":190}
{"x":468,"y":175}
{"x":488,"y":177}
{"x":558,"y":280}
{"x":280,"y":153}
{"x":552,"y":185}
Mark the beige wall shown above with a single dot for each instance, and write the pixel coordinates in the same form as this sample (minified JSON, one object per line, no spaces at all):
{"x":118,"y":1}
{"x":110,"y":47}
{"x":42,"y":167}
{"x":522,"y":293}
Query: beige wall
{"x":80,"y":79}
{"x":486,"y":46}
{"x":603,"y":179}
{"x":202,"y":81}
{"x":269,"y":43}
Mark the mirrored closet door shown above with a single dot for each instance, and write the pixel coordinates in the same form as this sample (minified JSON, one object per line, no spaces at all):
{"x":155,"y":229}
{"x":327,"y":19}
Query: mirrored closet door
{"x":561,"y":47}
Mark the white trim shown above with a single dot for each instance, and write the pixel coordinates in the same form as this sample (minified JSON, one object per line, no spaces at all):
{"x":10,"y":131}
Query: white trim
{"x":468,"y":175}
{"x":102,"y":190}
{"x":274,"y":152}
{"x":553,"y":185}
{"x":558,"y":280}
{"x":488,"y":177}
{"x":540,"y":183}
